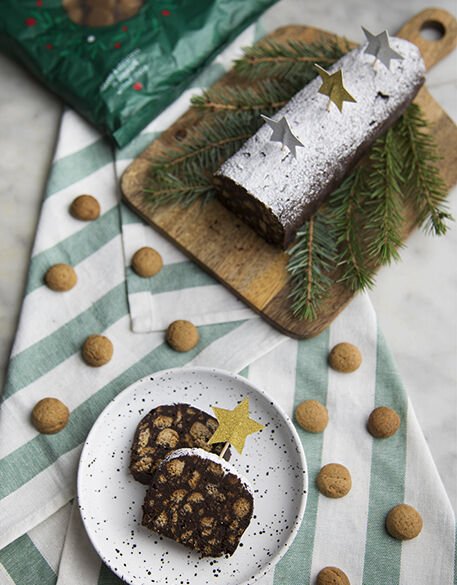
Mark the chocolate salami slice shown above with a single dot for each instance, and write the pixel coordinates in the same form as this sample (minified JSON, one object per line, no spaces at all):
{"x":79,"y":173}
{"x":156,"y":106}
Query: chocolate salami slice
{"x":166,"y":428}
{"x":198,"y":499}
{"x":276,"y":193}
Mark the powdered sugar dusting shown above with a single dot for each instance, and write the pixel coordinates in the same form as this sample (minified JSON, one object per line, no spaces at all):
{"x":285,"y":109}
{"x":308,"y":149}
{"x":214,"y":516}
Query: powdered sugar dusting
{"x":332,"y":139}
{"x":202,"y":454}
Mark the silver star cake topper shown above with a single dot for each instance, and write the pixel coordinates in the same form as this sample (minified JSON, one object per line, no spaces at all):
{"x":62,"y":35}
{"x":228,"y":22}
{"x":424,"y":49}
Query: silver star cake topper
{"x":283,"y":134}
{"x":379,"y":47}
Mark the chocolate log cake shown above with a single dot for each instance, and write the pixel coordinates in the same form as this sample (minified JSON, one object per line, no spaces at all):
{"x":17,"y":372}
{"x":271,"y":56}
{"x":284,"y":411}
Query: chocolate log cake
{"x":276,"y":193}
{"x":166,"y":428}
{"x":198,"y":499}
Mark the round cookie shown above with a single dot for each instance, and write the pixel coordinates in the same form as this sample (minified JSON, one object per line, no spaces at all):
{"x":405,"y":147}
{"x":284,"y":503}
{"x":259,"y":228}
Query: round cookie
{"x":97,"y":350}
{"x":345,"y":358}
{"x":383,"y":422}
{"x":182,"y":335}
{"x":60,"y":277}
{"x":50,"y":416}
{"x":404,"y":522}
{"x":85,"y":208}
{"x":332,"y":576}
{"x":312,"y":416}
{"x":334,"y":480}
{"x":147,"y":262}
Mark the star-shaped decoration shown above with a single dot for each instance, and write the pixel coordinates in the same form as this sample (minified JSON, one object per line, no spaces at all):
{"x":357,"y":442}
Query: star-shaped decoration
{"x":332,"y":86}
{"x":234,"y":425}
{"x":379,"y":47}
{"x":283,"y":134}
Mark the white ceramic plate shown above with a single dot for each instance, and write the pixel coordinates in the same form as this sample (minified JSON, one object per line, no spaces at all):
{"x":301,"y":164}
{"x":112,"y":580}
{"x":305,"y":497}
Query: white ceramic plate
{"x":110,"y":499}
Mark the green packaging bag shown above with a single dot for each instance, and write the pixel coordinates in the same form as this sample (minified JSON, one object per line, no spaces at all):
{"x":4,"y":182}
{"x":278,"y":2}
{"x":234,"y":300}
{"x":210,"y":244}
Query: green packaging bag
{"x":120,"y":62}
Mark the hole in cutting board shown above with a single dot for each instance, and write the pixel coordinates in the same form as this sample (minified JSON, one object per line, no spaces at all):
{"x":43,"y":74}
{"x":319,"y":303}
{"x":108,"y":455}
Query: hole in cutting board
{"x":432,"y":30}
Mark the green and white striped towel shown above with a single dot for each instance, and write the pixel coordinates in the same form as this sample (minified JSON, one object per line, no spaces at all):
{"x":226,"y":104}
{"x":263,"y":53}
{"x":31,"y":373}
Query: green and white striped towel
{"x":42,"y":541}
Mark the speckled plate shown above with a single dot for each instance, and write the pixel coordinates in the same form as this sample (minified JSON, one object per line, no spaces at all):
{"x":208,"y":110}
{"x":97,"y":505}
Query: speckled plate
{"x":110,"y":499}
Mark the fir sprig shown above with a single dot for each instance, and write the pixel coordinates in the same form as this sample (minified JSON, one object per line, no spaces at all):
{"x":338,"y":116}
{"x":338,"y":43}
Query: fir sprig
{"x":312,"y":258}
{"x":425,"y":187}
{"x":289,"y":60}
{"x":205,"y":147}
{"x":165,"y":189}
{"x":265,"y":96}
{"x":383,"y":207}
{"x":346,"y":205}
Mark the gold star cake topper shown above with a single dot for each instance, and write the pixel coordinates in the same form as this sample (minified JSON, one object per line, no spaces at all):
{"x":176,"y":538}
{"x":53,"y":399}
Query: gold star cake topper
{"x":332,"y":86}
{"x":234,"y":426}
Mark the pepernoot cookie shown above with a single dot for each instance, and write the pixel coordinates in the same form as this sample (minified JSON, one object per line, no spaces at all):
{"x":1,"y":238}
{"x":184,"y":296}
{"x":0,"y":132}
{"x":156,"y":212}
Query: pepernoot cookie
{"x":334,"y":480}
{"x":332,"y":576}
{"x":383,"y":422}
{"x":345,"y":358}
{"x":60,"y":277}
{"x":85,"y":208}
{"x":404,"y":522}
{"x":147,"y":262}
{"x":50,"y":416}
{"x":312,"y":416}
{"x":97,"y":350}
{"x":182,"y":335}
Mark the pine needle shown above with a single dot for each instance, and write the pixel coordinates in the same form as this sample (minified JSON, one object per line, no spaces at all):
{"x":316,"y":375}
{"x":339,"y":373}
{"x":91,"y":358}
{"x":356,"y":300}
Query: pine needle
{"x":383,"y":207}
{"x":265,"y":96}
{"x":206,"y":147}
{"x":346,"y":204}
{"x":424,"y":186}
{"x":291,"y":60}
{"x":166,"y":189}
{"x":310,"y":262}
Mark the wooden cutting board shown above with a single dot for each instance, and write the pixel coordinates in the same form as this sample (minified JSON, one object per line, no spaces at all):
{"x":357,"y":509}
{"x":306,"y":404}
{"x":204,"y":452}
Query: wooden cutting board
{"x":231,"y":251}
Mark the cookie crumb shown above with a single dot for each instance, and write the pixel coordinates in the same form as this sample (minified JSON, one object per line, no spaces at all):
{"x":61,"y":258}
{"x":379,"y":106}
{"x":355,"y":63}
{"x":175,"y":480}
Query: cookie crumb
{"x":332,"y":576}
{"x":404,"y":522}
{"x":312,"y":416}
{"x":85,"y":208}
{"x":345,"y":358}
{"x":383,"y":422}
{"x":97,"y":350}
{"x":334,"y":480}
{"x":147,"y":262}
{"x":50,"y":416}
{"x":61,"y":277}
{"x":182,"y":335}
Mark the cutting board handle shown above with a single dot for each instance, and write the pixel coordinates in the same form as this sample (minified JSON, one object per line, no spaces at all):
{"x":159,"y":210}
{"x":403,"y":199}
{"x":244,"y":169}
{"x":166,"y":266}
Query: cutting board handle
{"x":442,"y":23}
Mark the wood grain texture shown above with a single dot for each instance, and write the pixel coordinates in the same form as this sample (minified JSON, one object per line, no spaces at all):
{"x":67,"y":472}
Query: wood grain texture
{"x":230,"y":250}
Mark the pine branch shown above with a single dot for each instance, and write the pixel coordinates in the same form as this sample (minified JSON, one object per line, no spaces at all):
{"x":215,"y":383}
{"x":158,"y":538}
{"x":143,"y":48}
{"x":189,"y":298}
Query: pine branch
{"x":383,"y":207}
{"x":264,"y":96}
{"x":166,"y":189}
{"x":424,"y":185}
{"x":206,"y":147}
{"x":346,"y":204}
{"x":289,"y":60}
{"x":310,"y":262}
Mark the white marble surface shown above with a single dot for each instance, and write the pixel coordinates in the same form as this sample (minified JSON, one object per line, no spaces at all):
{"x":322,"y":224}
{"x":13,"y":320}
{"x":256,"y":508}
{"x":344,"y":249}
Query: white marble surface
{"x":416,"y":300}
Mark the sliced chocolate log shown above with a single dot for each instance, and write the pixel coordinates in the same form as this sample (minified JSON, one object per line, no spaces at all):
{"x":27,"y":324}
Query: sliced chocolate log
{"x":198,"y":499}
{"x":166,"y":428}
{"x":276,"y":193}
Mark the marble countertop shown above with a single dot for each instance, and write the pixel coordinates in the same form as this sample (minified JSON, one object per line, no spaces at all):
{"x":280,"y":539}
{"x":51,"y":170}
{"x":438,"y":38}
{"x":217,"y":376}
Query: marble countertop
{"x":416,"y":300}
